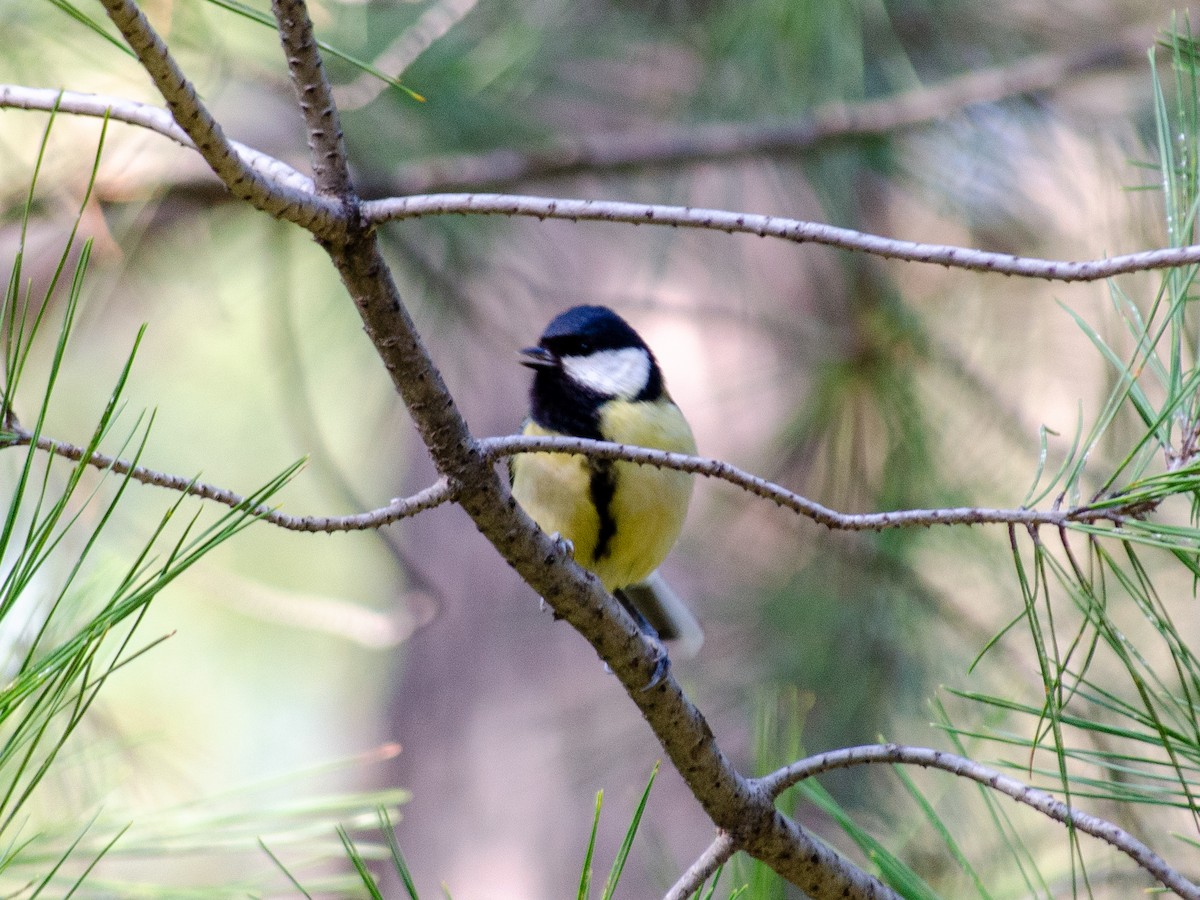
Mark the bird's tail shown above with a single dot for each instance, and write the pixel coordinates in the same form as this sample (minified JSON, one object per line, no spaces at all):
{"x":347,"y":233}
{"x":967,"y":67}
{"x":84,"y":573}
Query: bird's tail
{"x":666,"y":613}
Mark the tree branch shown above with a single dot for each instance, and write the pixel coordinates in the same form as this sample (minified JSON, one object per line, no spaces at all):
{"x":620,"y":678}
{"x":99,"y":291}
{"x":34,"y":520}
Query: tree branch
{"x":326,"y":146}
{"x":317,"y":214}
{"x":794,"y":230}
{"x":154,"y":118}
{"x":280,"y":179}
{"x":675,"y":146}
{"x":1050,"y":806}
{"x":823,"y":515}
{"x":718,"y":853}
{"x":401,"y":508}
{"x":442,"y":491}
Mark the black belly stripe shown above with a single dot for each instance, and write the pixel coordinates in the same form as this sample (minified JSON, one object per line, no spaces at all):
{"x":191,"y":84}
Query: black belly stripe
{"x":603,"y":488}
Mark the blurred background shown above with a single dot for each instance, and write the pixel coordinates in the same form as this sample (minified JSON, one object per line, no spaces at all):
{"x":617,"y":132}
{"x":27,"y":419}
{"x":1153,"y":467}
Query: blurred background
{"x":863,"y":384}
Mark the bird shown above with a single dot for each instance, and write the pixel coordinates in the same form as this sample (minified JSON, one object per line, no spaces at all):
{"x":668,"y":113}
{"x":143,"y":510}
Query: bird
{"x":594,"y":377}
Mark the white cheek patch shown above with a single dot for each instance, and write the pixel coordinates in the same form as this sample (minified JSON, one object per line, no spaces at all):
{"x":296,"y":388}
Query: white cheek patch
{"x":613,"y":373}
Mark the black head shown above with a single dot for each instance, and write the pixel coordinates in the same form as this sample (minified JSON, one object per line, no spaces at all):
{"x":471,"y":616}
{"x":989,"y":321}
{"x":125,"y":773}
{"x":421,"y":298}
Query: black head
{"x":583,"y":330}
{"x":586,"y":357}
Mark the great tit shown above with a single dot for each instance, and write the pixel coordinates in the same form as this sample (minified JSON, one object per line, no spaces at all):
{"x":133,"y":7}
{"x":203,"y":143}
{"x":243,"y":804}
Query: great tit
{"x":594,"y":377}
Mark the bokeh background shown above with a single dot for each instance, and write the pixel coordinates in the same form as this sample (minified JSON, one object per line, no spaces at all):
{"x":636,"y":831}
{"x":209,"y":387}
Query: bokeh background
{"x":864,"y":384}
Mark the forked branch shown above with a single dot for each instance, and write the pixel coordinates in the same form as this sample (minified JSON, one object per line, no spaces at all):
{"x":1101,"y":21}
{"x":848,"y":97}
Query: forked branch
{"x":320,"y":215}
{"x":1045,"y":803}
{"x":724,"y":846}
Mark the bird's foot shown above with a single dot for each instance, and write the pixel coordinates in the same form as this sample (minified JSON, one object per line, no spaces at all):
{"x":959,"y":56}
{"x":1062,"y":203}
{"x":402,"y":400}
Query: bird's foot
{"x":662,"y":663}
{"x":565,"y":545}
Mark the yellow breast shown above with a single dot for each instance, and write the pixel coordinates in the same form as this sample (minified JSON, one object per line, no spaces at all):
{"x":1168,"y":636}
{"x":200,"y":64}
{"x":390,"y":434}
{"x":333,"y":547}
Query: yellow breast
{"x":648,"y":505}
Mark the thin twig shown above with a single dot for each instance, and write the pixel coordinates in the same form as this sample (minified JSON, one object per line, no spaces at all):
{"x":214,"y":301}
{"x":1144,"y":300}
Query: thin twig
{"x":682,"y":145}
{"x":144,"y":115}
{"x":320,"y":215}
{"x":498,"y":447}
{"x":436,"y":494}
{"x":794,"y":230}
{"x":714,"y":468}
{"x":327,"y":149}
{"x":717,"y":854}
{"x":294,"y":185}
{"x":1045,"y":803}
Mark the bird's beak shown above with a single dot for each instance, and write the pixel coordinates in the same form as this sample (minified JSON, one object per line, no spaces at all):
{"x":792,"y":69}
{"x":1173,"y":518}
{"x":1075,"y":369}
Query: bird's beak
{"x":538,"y":358}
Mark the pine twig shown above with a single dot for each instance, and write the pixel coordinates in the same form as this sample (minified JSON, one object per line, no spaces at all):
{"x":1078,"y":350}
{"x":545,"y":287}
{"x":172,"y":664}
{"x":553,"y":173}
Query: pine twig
{"x":718,"y":853}
{"x":326,"y":146}
{"x":303,"y":206}
{"x":438,"y":493}
{"x":320,"y":215}
{"x":1045,"y":803}
{"x":144,"y":115}
{"x":795,"y":230}
{"x":444,"y":490}
{"x":577,"y":596}
{"x":823,"y":515}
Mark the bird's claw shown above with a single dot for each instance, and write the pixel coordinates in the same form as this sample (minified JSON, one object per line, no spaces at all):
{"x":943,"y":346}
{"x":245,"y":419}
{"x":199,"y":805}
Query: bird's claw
{"x":565,"y":545}
{"x":662,"y":664}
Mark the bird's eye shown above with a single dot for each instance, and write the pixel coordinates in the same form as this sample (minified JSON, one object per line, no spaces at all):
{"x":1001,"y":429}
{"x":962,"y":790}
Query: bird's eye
{"x":569,"y":345}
